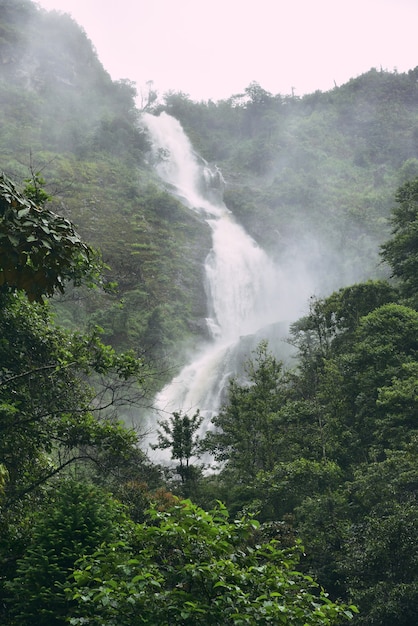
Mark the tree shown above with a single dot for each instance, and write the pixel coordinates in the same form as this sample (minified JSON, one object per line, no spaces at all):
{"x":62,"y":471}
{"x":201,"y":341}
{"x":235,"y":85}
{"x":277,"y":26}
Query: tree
{"x":59,"y":391}
{"x":349,"y":347}
{"x":51,"y":416}
{"x":397,"y":404}
{"x":179,"y":434}
{"x":329,"y":327}
{"x":247,"y":428}
{"x":359,"y":531}
{"x":401,"y":251}
{"x":380,"y":559}
{"x":39,"y":250}
{"x":280,"y":491}
{"x":187,"y":566}
{"x":386,"y":346}
{"x":49,"y":412}
{"x":75,"y":519}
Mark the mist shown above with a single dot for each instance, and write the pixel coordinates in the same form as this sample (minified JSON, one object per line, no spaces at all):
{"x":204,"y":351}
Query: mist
{"x":249,"y":297}
{"x":309,"y":180}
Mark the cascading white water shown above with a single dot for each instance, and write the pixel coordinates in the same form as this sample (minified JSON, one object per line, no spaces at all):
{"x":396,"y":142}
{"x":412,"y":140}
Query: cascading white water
{"x":245,"y":290}
{"x":242,"y":282}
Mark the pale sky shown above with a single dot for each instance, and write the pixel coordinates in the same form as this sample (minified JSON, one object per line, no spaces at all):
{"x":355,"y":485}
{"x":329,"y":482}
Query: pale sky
{"x":216,"y":48}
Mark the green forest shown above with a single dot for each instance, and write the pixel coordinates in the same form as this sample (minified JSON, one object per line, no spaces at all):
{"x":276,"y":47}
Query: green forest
{"x":311,"y":515}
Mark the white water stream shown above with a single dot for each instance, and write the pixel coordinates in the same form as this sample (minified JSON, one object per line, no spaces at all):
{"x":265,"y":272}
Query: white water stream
{"x":246,"y":292}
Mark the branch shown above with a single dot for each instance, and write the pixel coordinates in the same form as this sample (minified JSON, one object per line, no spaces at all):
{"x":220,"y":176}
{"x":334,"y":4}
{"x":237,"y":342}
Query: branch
{"x":45,"y":478}
{"x":43,"y":368}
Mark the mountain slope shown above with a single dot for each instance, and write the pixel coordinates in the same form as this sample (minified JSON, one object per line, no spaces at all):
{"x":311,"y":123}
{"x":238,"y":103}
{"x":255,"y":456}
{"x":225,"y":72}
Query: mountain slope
{"x":312,"y":179}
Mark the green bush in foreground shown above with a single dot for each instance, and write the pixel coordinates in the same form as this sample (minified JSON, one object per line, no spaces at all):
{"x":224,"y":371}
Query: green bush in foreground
{"x":188,"y":566}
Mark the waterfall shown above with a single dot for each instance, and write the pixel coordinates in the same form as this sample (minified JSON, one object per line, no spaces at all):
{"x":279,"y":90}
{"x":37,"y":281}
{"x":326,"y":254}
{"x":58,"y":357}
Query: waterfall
{"x":246,"y":291}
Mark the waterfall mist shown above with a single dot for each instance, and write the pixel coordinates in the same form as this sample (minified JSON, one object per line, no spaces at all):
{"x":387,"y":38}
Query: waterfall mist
{"x":249,"y":297}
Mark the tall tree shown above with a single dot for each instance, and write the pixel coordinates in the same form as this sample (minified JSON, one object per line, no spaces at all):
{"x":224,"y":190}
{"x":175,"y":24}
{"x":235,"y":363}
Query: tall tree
{"x":386,"y":349}
{"x":401,"y":251}
{"x":75,"y":519}
{"x":179,"y":434}
{"x":57,"y":388}
{"x":246,"y":432}
{"x":380,"y":559}
{"x":49,"y":413}
{"x":50,"y":416}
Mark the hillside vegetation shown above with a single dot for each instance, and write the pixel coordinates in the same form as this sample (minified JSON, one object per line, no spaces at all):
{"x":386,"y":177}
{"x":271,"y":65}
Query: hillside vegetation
{"x":312,"y":177}
{"x":63,"y":117}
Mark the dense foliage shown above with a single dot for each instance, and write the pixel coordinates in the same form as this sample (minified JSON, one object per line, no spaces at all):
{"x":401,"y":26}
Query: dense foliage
{"x":188,"y":566}
{"x":39,"y":250}
{"x":69,"y":552}
{"x":331,"y":446}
